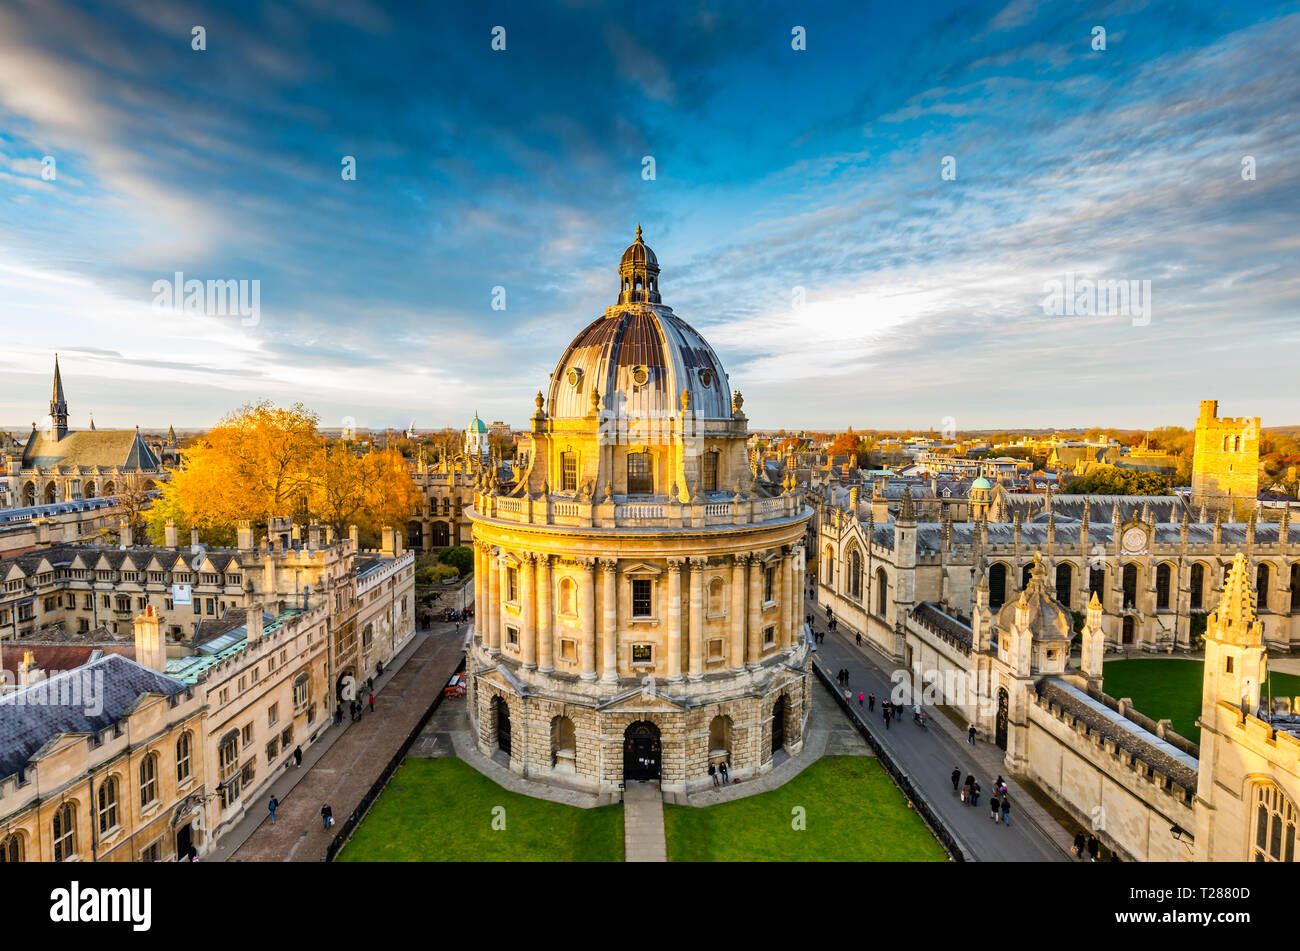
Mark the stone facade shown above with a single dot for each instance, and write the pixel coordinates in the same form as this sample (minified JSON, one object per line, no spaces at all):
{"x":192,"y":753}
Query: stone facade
{"x":1225,"y":463}
{"x":639,"y":596}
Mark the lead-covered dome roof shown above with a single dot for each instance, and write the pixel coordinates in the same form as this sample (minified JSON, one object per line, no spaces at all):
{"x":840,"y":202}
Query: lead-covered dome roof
{"x":639,"y":356}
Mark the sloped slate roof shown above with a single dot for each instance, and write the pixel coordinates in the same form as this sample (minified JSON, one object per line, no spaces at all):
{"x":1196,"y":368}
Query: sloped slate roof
{"x":90,"y":447}
{"x":85,"y":700}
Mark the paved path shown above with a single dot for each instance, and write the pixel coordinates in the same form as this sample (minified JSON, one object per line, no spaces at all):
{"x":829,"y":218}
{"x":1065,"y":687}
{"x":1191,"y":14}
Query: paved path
{"x":643,"y":823}
{"x":356,"y":755}
{"x":930,"y":754}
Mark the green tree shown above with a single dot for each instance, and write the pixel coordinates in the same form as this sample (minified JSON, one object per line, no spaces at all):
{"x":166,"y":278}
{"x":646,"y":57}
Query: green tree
{"x":460,"y":557}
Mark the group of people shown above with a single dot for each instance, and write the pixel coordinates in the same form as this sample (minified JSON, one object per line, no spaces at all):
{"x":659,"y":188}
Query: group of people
{"x":817,"y":636}
{"x":999,"y":803}
{"x":842,"y":678}
{"x":719,"y":774}
{"x":1088,"y":847}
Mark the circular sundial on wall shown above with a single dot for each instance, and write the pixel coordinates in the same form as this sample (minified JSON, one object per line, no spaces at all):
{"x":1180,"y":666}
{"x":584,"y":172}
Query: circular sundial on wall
{"x":1134,"y":539}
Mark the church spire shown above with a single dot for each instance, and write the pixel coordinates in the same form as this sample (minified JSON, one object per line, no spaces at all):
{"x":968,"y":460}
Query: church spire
{"x":58,"y":405}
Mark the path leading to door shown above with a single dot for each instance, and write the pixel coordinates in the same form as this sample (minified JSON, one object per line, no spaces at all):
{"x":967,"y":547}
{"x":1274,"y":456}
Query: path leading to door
{"x":643,"y":823}
{"x":930,"y":754}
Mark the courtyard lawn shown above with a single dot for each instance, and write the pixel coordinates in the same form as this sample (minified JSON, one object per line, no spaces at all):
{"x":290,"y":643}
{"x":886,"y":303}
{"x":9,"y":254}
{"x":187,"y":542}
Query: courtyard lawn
{"x":1169,"y":688}
{"x":853,"y":812}
{"x":441,"y":810}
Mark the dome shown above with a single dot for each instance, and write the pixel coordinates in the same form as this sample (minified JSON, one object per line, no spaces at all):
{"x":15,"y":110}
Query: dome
{"x":476,"y":425}
{"x":639,"y":357}
{"x":981,"y":483}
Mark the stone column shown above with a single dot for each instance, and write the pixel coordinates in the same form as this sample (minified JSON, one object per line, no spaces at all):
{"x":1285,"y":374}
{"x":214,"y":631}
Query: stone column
{"x":609,"y":629}
{"x":545,"y":622}
{"x":587,"y":609}
{"x":755,"y":652}
{"x":697,"y":618}
{"x":787,"y":600}
{"x":494,"y":599}
{"x":675,"y":620}
{"x":738,"y":585}
{"x":480,"y":569}
{"x":528,"y":612}
{"x":800,"y":604}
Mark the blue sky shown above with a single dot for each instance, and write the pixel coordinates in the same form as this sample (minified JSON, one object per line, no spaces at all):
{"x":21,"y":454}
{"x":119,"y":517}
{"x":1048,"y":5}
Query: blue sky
{"x":776,"y":170}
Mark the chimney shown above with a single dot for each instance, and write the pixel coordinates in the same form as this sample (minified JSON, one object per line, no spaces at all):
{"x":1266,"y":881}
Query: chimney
{"x":27,"y":670}
{"x":329,"y":535}
{"x":169,"y":533}
{"x":313,"y":536}
{"x":194,"y":539}
{"x":253,"y":618}
{"x":296,"y":537}
{"x":124,"y":533}
{"x":388,"y":543}
{"x":244,"y":535}
{"x":354,"y":534}
{"x":149,"y":647}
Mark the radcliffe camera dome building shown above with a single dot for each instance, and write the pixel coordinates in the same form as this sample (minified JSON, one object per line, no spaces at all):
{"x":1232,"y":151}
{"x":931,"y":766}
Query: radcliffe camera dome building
{"x":639,"y":592}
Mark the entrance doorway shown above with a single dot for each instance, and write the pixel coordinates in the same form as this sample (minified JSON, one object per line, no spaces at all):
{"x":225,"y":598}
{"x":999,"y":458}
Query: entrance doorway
{"x":503,"y":725}
{"x":641,"y":752}
{"x":184,"y":842}
{"x":778,"y":725}
{"x":1129,"y":627}
{"x":1004,"y":708}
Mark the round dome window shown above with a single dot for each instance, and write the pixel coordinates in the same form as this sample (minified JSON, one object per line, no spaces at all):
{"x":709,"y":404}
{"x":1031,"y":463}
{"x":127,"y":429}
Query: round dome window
{"x":574,"y":376}
{"x":640,"y":375}
{"x":706,"y":378}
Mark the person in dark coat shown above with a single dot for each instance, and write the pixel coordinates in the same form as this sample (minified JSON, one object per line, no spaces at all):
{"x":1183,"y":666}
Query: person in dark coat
{"x":722,"y":771}
{"x":1006,"y":809}
{"x":271,"y":807}
{"x":871,"y":703}
{"x":994,"y":805}
{"x":297,"y":756}
{"x":1080,"y":844}
{"x":326,"y":816}
{"x":956,"y":779}
{"x":1094,"y":847}
{"x":713,"y":775}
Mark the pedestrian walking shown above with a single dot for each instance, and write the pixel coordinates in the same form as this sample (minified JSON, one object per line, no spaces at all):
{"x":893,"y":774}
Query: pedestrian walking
{"x":975,"y":794}
{"x":297,"y":756}
{"x":713,"y":775}
{"x":338,"y":711}
{"x":1080,"y":844}
{"x":1094,"y":847}
{"x":966,"y":788}
{"x":858,"y":637}
{"x":862,"y":698}
{"x":871,"y":703}
{"x":886,"y":719}
{"x":372,"y":702}
{"x":994,"y":805}
{"x":722,"y":770}
{"x":956,"y":779}
{"x":1006,"y":809}
{"x":970,"y":735}
{"x":999,"y":784}
{"x":271,"y":806}
{"x":326,"y":816}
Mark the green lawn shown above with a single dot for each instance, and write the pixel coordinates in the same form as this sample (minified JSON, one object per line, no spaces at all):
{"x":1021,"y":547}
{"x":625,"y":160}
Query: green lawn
{"x":853,"y":813}
{"x":1169,"y":688}
{"x":441,"y":810}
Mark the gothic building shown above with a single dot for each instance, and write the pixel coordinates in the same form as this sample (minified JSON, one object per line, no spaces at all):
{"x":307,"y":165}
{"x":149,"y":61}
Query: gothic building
{"x":60,"y":464}
{"x":639,"y":589}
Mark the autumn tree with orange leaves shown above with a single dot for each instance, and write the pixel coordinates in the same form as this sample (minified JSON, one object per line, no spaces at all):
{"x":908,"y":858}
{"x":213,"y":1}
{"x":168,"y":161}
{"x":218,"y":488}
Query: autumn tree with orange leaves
{"x":264,"y":460}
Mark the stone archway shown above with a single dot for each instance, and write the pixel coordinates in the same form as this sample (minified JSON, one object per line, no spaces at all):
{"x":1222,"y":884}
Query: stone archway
{"x":642,"y":752}
{"x":778,"y":725}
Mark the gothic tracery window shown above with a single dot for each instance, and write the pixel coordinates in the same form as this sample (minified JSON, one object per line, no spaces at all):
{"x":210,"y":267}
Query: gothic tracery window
{"x":1275,"y":822}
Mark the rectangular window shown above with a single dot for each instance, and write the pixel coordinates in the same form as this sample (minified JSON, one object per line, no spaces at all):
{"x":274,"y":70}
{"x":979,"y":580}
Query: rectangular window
{"x":769,"y":636}
{"x":640,"y":480}
{"x":272,"y":714}
{"x":641,"y":597}
{"x":715,"y":649}
{"x":568,"y":650}
{"x":512,"y":584}
{"x":710,"y":472}
{"x":152,"y":852}
{"x":568,"y":472}
{"x":512,"y":636}
{"x":769,"y":577}
{"x":248,"y":734}
{"x":642,"y":653}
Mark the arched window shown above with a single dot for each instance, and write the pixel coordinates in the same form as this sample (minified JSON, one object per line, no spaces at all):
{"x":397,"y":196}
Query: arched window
{"x":50,"y":494}
{"x":855,"y":575}
{"x":882,"y":591}
{"x":11,"y":848}
{"x":1026,"y":571}
{"x":1097,"y":583}
{"x":1196,"y":587}
{"x":568,"y":600}
{"x":1064,"y":582}
{"x":29,"y":494}
{"x":1227,"y":443}
{"x":1236,"y":444}
{"x":1295,"y":587}
{"x":1263,"y":577}
{"x":568,"y":472}
{"x":1130,"y":579}
{"x":710,"y":474}
{"x":302,"y":688}
{"x":183,"y":756}
{"x":640,"y":475}
{"x":107,"y":804}
{"x":828,"y":557}
{"x":997,"y":586}
{"x":715,"y":596}
{"x":64,"y":828}
{"x":89,"y":491}
{"x":1163,"y":575}
{"x":367,"y":636}
{"x":1275,"y":822}
{"x":148,"y":780}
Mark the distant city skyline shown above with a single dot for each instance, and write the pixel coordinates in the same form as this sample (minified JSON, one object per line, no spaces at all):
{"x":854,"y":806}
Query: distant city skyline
{"x":866,"y":230}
